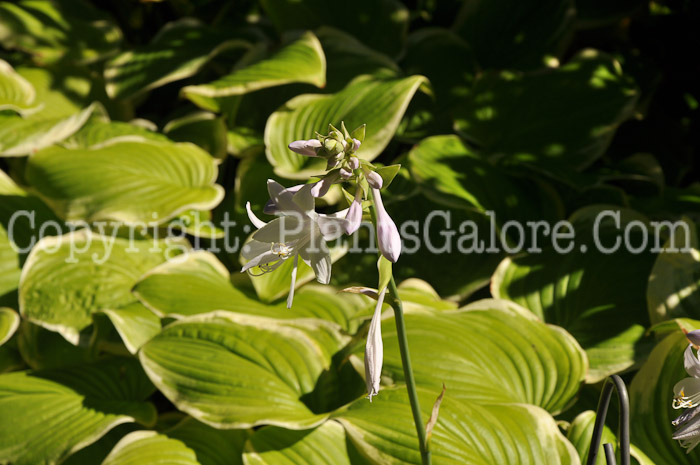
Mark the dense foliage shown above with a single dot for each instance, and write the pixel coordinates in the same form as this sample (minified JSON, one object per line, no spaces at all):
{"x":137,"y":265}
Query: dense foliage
{"x":152,"y":347}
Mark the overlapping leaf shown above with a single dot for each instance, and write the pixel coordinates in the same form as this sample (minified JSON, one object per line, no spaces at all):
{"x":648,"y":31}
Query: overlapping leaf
{"x":132,"y":181}
{"x":178,"y":51}
{"x":490,"y":343}
{"x":16,"y":93}
{"x":234,"y":371}
{"x":325,"y":445}
{"x":49,"y":414}
{"x":527,"y":118}
{"x":379,"y":103}
{"x":583,"y":290}
{"x":9,"y":322}
{"x":674,"y":283}
{"x":148,"y":447}
{"x":301,"y":61}
{"x":466,"y":433}
{"x":66,"y":278}
{"x":135,"y":324}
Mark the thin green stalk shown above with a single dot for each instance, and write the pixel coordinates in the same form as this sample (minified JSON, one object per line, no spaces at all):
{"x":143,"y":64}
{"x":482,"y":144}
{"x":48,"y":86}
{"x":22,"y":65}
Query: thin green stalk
{"x":406,"y":360}
{"x":408,"y":372}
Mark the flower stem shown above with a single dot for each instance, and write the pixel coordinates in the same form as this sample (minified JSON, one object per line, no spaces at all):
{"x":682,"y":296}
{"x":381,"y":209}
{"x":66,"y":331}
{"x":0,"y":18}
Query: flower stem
{"x":396,"y":304}
{"x":408,"y":372}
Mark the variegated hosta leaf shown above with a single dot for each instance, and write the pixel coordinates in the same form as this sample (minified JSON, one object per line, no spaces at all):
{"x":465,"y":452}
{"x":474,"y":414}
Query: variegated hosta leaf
{"x":674,"y":283}
{"x":584,"y":291}
{"x":47,"y":415}
{"x":466,"y":433}
{"x":178,"y":51}
{"x":67,"y":278}
{"x":235,"y":371}
{"x":325,"y":445}
{"x":100,"y":131}
{"x":149,"y":447}
{"x":9,"y":322}
{"x":301,"y":61}
{"x":16,"y":93}
{"x":211,"y":446}
{"x":9,"y":264}
{"x":203,"y":129}
{"x":22,"y":136}
{"x":135,"y":324}
{"x":491,"y":351}
{"x":131,"y":181}
{"x":72,"y":30}
{"x":198,"y":283}
{"x":378,"y":103}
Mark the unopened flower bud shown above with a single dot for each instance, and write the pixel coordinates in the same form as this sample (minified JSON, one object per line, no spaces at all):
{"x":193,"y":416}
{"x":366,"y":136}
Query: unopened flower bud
{"x":694,"y":337}
{"x":354,"y":216}
{"x":374,"y":350}
{"x":375,"y":180}
{"x":388,"y":237}
{"x":354,"y":163}
{"x":345,"y":174}
{"x":308,"y":148}
{"x":356,"y":145}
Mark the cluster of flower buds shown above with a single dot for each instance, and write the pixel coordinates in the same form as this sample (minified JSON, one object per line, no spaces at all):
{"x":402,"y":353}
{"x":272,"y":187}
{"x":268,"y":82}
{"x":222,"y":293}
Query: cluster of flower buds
{"x":339,"y":149}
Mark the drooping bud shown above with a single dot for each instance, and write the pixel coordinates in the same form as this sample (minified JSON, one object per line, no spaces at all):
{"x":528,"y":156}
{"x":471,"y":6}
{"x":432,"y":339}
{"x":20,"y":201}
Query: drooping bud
{"x":354,"y":163}
{"x":375,"y":180}
{"x":321,"y":187}
{"x":354,"y":216}
{"x":308,"y":148}
{"x":388,"y":237}
{"x":374,"y":350}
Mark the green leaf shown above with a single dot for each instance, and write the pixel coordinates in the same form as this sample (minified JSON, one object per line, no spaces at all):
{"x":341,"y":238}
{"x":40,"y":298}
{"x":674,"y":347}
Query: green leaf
{"x":527,"y":118}
{"x":131,"y":181}
{"x":193,"y":284}
{"x":9,"y":322}
{"x":378,"y":103}
{"x":197,"y":223}
{"x":212,"y":446}
{"x":380,"y":24}
{"x":347,"y":57}
{"x":232,"y":371}
{"x":581,"y":431}
{"x":465,"y":433}
{"x":101,"y":131}
{"x":674,"y":282}
{"x":67,"y":278}
{"x":385,"y":274}
{"x":149,"y":447}
{"x":41,"y":348}
{"x":71,"y":30}
{"x":135,"y":324}
{"x":651,"y":396}
{"x":203,"y":129}
{"x":9,"y":265}
{"x":178,"y":51}
{"x":448,"y":172}
{"x":490,"y":343}
{"x":585,"y":292}
{"x":23,"y":136}
{"x":515,"y":36}
{"x":325,"y":445}
{"x":48,"y":414}
{"x":16,"y":93}
{"x":301,"y":61}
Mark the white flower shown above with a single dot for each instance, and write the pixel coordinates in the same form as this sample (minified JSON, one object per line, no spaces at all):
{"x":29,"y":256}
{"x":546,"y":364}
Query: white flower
{"x":374,"y":350}
{"x":298,"y":232}
{"x":687,"y":394}
{"x":388,"y":237}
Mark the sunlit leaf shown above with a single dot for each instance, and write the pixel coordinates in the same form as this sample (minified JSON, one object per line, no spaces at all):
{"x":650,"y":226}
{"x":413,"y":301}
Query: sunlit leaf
{"x":301,"y":61}
{"x":49,"y":414}
{"x":130,"y":181}
{"x":233,"y":371}
{"x":66,"y":278}
{"x":148,"y":447}
{"x":135,"y":324}
{"x":466,"y":433}
{"x":378,"y":103}
{"x":9,"y":322}
{"x":16,"y":93}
